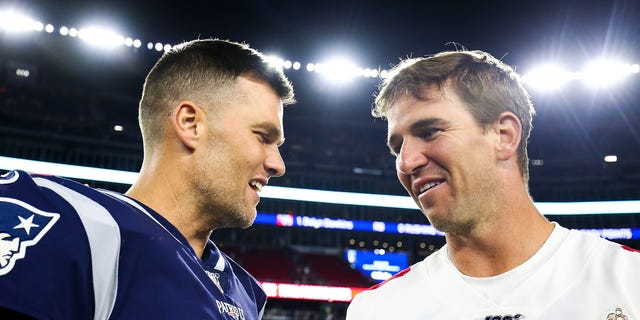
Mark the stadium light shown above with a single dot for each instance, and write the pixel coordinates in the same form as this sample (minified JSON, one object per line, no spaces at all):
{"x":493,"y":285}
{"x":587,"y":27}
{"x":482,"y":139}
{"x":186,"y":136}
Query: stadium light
{"x":599,"y":74}
{"x":23,"y":73}
{"x":547,"y":77}
{"x":605,"y":73}
{"x":311,"y":67}
{"x":275,"y":61}
{"x":611,"y":159}
{"x":38,"y":26}
{"x":101,"y":37}
{"x":372,"y":73}
{"x":14,"y":21}
{"x":339,"y":70}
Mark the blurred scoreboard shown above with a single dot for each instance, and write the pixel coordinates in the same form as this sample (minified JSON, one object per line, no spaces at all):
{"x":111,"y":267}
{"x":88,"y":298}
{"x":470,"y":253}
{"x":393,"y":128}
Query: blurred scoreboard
{"x":378,"y":264}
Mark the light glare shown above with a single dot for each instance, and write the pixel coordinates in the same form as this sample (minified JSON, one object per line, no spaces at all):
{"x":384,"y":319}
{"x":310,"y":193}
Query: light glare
{"x":547,"y":77}
{"x":605,"y":73}
{"x":310,"y":67}
{"x":611,"y":159}
{"x":13,"y":21}
{"x":101,"y":37}
{"x":275,"y":62}
{"x":338,"y":70}
{"x":38,"y":26}
{"x":602,"y":73}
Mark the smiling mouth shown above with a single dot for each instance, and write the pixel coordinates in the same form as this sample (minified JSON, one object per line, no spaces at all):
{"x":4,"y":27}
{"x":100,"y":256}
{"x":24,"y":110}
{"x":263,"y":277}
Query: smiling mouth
{"x":256,"y":185}
{"x":429,"y":186}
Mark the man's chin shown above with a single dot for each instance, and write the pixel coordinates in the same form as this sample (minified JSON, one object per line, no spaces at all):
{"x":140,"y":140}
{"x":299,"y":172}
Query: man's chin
{"x":239,"y":219}
{"x":247,"y":221}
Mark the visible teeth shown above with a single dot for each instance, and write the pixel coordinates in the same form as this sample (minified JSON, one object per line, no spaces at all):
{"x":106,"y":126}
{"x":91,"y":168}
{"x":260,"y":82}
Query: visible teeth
{"x":256,"y":185}
{"x":429,"y":186}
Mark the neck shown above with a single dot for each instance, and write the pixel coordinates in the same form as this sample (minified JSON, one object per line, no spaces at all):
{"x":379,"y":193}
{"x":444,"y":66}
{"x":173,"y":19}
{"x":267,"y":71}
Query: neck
{"x":172,"y":203}
{"x":502,"y":244}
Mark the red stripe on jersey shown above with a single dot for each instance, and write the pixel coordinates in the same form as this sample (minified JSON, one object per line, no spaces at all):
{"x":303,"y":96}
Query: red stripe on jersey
{"x":630,"y":249}
{"x":397,"y":275}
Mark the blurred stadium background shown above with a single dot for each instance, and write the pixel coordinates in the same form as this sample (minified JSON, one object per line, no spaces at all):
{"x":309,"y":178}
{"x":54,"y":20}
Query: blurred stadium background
{"x":69,"y":93}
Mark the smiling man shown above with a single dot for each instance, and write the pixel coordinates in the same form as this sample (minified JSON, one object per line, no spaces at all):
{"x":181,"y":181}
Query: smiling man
{"x":458,"y":125}
{"x":211,"y":120}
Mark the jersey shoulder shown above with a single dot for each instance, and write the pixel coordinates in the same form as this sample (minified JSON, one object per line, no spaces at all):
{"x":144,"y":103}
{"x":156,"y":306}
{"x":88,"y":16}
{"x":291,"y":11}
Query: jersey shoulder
{"x":580,"y":241}
{"x":41,"y":238}
{"x":33,"y":216}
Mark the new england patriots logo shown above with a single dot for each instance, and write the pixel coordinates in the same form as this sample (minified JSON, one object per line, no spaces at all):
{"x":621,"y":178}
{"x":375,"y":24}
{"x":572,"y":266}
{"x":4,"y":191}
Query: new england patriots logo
{"x":21,"y":226}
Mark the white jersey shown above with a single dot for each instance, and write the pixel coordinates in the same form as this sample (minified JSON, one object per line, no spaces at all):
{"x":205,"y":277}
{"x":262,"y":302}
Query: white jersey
{"x":573,"y":276}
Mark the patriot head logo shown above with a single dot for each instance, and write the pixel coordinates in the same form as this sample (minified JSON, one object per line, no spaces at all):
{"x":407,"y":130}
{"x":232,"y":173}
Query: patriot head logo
{"x":21,"y":226}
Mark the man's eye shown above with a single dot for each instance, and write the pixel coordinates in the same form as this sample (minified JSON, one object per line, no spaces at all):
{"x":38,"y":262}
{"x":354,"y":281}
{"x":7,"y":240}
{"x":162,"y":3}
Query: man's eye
{"x":262,"y":137}
{"x":429,"y":134}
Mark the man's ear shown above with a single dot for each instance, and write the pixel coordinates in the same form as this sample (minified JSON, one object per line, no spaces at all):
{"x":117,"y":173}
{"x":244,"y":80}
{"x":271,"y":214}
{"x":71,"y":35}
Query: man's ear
{"x":510,"y":132}
{"x":187,"y":123}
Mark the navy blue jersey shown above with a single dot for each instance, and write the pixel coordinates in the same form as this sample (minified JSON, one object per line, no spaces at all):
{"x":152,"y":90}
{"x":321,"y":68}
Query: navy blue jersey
{"x":68,"y":251}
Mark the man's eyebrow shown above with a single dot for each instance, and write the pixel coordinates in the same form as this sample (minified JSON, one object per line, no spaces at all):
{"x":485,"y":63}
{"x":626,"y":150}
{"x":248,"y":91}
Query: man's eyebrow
{"x":392,"y":140}
{"x":426,"y":123}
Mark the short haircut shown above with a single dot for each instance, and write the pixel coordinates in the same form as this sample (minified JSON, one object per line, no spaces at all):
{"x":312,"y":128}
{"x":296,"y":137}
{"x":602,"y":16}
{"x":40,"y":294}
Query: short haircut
{"x":485,"y":84}
{"x":202,"y":68}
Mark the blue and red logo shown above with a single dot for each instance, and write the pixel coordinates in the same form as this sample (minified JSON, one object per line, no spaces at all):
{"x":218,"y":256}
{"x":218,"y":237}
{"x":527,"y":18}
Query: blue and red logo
{"x":21,"y":226}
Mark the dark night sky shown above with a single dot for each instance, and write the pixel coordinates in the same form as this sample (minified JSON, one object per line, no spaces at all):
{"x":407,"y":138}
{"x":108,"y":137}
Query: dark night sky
{"x":377,"y":32}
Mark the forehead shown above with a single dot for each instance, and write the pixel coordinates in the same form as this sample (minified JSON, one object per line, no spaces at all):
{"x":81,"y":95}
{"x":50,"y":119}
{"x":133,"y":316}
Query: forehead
{"x":254,"y":104}
{"x":408,"y":103}
{"x":434,"y":103}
